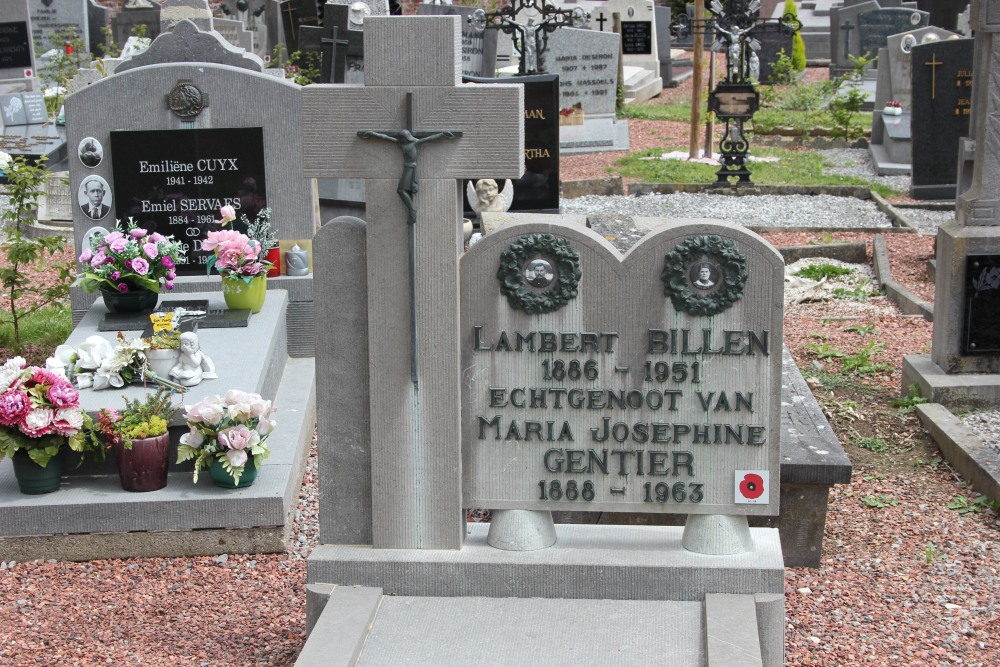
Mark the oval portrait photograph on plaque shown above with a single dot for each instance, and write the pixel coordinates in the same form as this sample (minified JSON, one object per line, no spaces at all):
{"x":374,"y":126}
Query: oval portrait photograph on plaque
{"x":90,"y":151}
{"x":94,"y":197}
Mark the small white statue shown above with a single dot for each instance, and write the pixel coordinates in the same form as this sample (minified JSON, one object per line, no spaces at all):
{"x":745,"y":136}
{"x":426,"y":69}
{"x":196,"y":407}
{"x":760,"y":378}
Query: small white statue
{"x":193,"y":365}
{"x":486,"y":198}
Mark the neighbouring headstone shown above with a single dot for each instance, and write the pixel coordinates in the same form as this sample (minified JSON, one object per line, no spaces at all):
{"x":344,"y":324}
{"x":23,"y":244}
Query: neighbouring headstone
{"x":17,"y":52}
{"x":479,"y":49}
{"x":50,"y":19}
{"x":197,"y":12}
{"x":234,"y":32}
{"x":537,"y":189}
{"x":329,"y":48}
{"x":137,"y":19}
{"x":586,"y":62}
{"x":774,"y":42}
{"x":99,"y":22}
{"x":251,"y":15}
{"x":211,"y":129}
{"x":675,"y":64}
{"x":942,"y":107}
{"x":877,"y":25}
{"x":27,"y":131}
{"x":350,"y":22}
{"x":963,"y":369}
{"x":849,"y":38}
{"x":891,"y":140}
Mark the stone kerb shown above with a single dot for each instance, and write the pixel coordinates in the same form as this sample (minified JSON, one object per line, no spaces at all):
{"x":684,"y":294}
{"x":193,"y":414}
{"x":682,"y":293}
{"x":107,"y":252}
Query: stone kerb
{"x":237,"y":98}
{"x":699,"y":371}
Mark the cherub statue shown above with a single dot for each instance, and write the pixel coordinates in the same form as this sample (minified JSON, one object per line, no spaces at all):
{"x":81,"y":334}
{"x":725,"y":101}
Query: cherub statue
{"x":193,"y":365}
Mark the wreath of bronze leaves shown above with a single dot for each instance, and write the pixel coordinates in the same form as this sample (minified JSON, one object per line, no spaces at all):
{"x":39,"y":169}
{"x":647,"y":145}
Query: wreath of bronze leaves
{"x":677,"y":283}
{"x":556,"y":250}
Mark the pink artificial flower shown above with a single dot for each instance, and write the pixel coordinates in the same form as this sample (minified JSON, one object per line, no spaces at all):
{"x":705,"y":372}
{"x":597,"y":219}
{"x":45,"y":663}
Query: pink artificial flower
{"x":167,"y":262}
{"x":237,"y":457}
{"x":67,"y":421}
{"x":37,"y":422}
{"x":118,"y":245}
{"x":122,"y":287}
{"x":63,"y":395}
{"x":14,"y":405}
{"x":86,"y":255}
{"x":151,"y":250}
{"x":156,"y":237}
{"x":114,"y":236}
{"x":98,"y":259}
{"x":115,"y":275}
{"x":169,"y":284}
{"x":193,"y":438}
{"x":228,"y":214}
{"x":238,"y":437}
{"x":171,"y":275}
{"x":44,"y":377}
{"x":138,"y":233}
{"x":222,"y":238}
{"x":207,"y":412}
{"x":140,"y":266}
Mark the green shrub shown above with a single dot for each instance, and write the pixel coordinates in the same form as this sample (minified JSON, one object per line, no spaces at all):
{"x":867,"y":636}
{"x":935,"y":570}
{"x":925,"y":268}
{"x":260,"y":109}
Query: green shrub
{"x":798,"y":44}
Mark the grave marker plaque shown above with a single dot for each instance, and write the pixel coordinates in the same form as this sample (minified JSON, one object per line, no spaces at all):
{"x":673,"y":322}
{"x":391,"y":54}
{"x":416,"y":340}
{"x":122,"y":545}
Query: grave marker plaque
{"x":637,"y":37}
{"x":981,"y":326}
{"x":647,"y":383}
{"x":34,"y":108}
{"x":175,"y":181}
{"x":15,"y":45}
{"x":875,"y":27}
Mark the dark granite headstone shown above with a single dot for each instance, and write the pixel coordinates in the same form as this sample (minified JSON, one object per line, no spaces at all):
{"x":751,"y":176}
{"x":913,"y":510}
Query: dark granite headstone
{"x":98,"y":17}
{"x":15,"y":45}
{"x":339,"y":15}
{"x":637,"y":37}
{"x":124,"y":24}
{"x":772,"y":41}
{"x":538,"y":188}
{"x":940,"y":113}
{"x":175,"y":181}
{"x":981,"y":325}
{"x":875,"y":27}
{"x":943,"y":13}
{"x":331,"y":47}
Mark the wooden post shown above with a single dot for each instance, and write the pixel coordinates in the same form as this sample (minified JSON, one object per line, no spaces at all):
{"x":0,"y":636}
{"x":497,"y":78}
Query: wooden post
{"x":699,"y":50}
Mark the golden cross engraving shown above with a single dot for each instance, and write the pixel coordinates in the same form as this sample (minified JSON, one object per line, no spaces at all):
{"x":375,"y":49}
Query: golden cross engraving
{"x":933,"y":62}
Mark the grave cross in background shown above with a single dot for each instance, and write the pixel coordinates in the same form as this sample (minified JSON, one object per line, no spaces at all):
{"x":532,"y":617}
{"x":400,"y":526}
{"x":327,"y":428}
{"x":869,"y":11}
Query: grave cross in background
{"x":847,"y":27}
{"x":531,"y":39}
{"x":288,"y":10}
{"x":416,"y":427}
{"x":323,"y":40}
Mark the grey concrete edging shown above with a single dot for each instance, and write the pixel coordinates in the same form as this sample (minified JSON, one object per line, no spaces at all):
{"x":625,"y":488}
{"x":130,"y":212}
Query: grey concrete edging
{"x":907,"y":301}
{"x":975,"y":460}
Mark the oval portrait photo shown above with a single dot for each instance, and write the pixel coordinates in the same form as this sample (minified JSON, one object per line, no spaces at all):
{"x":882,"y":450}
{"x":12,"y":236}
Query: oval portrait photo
{"x":90,"y":151}
{"x":94,"y":197}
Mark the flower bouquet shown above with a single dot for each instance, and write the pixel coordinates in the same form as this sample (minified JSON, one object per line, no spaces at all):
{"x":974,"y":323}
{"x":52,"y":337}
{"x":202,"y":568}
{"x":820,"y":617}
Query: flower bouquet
{"x":240,"y":261}
{"x":39,"y":413}
{"x":225,"y":433}
{"x":97,"y":364}
{"x":893,"y":108}
{"x":129,"y":258}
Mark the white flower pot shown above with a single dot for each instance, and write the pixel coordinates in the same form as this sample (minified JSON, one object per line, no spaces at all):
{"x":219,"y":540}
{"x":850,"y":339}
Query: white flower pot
{"x":892,"y":111}
{"x":161,"y":361}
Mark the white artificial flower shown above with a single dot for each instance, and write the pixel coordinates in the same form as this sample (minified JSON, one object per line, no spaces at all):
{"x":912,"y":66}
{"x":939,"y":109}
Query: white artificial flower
{"x":5,"y":160}
{"x":92,"y":353}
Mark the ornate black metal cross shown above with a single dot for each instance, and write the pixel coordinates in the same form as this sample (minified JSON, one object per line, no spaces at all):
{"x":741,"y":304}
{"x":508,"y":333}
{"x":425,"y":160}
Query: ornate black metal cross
{"x":530,"y":39}
{"x":409,"y":141}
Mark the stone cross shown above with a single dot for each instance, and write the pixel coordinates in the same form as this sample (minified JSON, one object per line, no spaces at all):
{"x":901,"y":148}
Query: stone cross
{"x":847,"y":27}
{"x":324,"y":40}
{"x":415,"y":432}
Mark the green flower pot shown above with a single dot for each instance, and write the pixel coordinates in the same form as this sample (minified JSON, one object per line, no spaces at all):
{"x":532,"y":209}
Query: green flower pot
{"x":240,"y":295}
{"x":33,"y":479}
{"x":221,"y":478}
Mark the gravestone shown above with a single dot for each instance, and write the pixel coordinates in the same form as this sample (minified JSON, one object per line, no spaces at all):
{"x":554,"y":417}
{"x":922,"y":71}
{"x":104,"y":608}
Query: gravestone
{"x":944,"y":13}
{"x":586,"y":62}
{"x":98,"y":21}
{"x":675,"y":65}
{"x":942,"y":107}
{"x":350,"y":26}
{"x":815,"y":19}
{"x":130,"y":18}
{"x":773,"y":41}
{"x":27,"y":131}
{"x":846,"y":31}
{"x":197,"y":12}
{"x":293,"y":15}
{"x":48,"y":18}
{"x":234,"y":32}
{"x":963,"y":369}
{"x":17,"y":51}
{"x":479,"y":49}
{"x":395,"y":533}
{"x":891,"y":141}
{"x":326,"y":43}
{"x":251,"y":15}
{"x":537,"y":189}
{"x":876,"y":25}
{"x":183,"y":149}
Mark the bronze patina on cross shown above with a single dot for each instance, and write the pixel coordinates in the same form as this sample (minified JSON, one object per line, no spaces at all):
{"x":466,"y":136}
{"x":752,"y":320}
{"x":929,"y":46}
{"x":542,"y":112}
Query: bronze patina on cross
{"x":409,"y":141}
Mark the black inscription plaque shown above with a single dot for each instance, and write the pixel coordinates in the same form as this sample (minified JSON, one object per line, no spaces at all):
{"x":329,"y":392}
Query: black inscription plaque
{"x":875,"y":27}
{"x":981,"y":331}
{"x":538,"y":189}
{"x":175,"y":181}
{"x":637,"y":38}
{"x":15,"y":49}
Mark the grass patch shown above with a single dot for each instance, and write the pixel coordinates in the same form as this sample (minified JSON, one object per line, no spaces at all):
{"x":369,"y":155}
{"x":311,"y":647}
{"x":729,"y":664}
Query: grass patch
{"x":822,"y":271}
{"x":794,"y":167}
{"x":46,"y":327}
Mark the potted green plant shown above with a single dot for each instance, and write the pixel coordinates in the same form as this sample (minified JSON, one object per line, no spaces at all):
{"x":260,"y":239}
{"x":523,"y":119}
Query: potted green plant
{"x":140,"y":439}
{"x":39,"y":415}
{"x":228,"y":436}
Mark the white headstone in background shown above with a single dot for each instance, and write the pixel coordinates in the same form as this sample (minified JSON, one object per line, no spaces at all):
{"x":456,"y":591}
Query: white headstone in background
{"x":50,"y":17}
{"x":587,"y":64}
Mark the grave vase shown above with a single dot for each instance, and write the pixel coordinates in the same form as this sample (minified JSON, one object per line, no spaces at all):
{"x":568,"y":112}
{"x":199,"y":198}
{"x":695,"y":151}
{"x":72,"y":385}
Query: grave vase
{"x":221,"y":478}
{"x":161,"y":361}
{"x":240,"y":294}
{"x":132,"y":301}
{"x":33,"y":479}
{"x":144,"y":466}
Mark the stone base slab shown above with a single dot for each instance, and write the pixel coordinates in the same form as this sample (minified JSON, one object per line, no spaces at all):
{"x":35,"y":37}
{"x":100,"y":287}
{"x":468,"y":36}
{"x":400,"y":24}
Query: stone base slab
{"x":956,"y":391}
